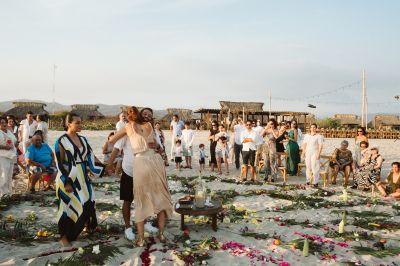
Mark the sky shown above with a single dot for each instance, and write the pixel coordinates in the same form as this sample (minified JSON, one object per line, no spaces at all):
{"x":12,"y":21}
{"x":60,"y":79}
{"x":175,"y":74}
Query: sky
{"x":192,"y":54}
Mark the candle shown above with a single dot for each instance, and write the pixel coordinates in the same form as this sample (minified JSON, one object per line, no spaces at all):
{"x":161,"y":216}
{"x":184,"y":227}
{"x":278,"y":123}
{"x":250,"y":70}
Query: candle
{"x":306,"y":248}
{"x":199,"y":199}
{"x":341,"y":227}
{"x":345,"y":197}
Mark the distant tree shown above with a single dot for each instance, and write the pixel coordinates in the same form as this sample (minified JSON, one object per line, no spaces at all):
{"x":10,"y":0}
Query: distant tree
{"x":328,"y":123}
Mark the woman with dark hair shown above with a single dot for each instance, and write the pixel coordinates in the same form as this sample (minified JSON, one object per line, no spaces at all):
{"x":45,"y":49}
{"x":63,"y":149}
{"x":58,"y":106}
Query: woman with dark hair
{"x":12,"y":125}
{"x":213,"y":143}
{"x":270,"y":135}
{"x":150,"y":185}
{"x":74,"y":190}
{"x":8,"y":154}
{"x":292,"y":149}
{"x":392,"y":185}
{"x":360,"y":137}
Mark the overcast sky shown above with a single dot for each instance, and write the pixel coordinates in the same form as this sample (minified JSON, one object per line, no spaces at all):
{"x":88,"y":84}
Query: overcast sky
{"x":192,"y":54}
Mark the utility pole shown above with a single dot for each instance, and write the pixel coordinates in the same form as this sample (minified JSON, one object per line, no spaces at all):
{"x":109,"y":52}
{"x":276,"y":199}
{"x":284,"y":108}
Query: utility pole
{"x":364,"y":115}
{"x":270,"y":103}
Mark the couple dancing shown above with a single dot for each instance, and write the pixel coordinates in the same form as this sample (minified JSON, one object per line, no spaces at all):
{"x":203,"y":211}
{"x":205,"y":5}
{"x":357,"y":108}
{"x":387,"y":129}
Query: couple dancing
{"x":150,"y":187}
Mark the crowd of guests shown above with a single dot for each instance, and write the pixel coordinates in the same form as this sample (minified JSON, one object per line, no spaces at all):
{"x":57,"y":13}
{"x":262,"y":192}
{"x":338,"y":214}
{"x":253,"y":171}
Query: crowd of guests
{"x":245,"y":144}
{"x":23,"y":147}
{"x":137,"y":152}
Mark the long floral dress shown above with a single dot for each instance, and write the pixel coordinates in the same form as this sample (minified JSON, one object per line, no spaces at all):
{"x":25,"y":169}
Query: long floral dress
{"x":367,"y":175}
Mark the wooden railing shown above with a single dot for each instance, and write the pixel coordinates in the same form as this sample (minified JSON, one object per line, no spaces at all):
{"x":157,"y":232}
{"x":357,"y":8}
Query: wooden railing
{"x":351,"y":133}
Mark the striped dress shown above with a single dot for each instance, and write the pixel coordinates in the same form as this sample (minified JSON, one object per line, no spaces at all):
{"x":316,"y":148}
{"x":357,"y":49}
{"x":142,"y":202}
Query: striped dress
{"x":76,"y":209}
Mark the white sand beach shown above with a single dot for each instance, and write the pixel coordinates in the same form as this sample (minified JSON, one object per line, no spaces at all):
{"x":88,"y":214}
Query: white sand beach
{"x":258,"y":230}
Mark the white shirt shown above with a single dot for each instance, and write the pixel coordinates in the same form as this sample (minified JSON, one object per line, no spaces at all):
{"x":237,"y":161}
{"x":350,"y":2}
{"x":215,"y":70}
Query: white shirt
{"x":177,"y":128}
{"x":312,"y":142}
{"x":259,"y":138}
{"x":238,"y":129}
{"x":120,"y":124}
{"x":187,"y":138}
{"x":178,"y":151}
{"x":28,"y":129}
{"x":124,"y":144}
{"x":299,"y":137}
{"x":44,"y":127}
{"x":248,"y":135}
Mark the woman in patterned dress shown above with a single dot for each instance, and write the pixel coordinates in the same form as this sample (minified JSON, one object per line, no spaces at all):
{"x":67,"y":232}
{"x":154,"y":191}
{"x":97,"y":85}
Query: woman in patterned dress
{"x":74,"y":191}
{"x":368,"y":174}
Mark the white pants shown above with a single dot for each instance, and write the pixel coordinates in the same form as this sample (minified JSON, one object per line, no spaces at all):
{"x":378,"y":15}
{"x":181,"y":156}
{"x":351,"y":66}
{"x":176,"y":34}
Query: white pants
{"x":312,"y":167}
{"x":6,"y":173}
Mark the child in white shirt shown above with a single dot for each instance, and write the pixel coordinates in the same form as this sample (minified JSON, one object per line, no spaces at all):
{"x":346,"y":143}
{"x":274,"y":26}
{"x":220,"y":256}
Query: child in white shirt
{"x":178,"y":154}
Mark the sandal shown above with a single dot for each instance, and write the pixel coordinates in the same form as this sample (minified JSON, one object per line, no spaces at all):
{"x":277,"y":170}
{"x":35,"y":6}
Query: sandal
{"x":161,"y":237}
{"x":139,"y":243}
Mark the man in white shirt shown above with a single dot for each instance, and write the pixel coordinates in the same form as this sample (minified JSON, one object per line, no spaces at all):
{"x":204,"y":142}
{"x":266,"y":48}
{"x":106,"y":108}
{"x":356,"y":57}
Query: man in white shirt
{"x":259,"y":139}
{"x":248,"y":138}
{"x":312,"y":148}
{"x":42,"y":126}
{"x":187,"y":139}
{"x":122,"y":121}
{"x":237,"y":147}
{"x":176,"y":132}
{"x":27,"y":129}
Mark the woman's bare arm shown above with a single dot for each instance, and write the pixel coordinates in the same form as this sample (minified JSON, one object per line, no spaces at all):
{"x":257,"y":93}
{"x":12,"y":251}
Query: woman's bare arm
{"x":119,"y":135}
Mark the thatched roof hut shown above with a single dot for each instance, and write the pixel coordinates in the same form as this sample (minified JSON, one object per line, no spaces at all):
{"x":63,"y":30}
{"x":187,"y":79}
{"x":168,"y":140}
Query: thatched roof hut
{"x":21,"y":108}
{"x":238,"y":107}
{"x":184,"y":115}
{"x":387,"y":122}
{"x":348,"y":120}
{"x":87,"y":111}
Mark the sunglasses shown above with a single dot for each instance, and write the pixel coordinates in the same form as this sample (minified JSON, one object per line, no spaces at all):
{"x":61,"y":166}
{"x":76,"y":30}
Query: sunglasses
{"x":359,"y":131}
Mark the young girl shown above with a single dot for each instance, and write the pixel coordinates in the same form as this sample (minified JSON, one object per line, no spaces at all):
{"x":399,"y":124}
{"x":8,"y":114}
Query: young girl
{"x":202,"y":158}
{"x":178,"y":154}
{"x":107,"y":149}
{"x":221,"y":151}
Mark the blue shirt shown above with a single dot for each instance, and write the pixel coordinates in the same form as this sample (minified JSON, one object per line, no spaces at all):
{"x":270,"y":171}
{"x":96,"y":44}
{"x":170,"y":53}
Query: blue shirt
{"x":40,"y":155}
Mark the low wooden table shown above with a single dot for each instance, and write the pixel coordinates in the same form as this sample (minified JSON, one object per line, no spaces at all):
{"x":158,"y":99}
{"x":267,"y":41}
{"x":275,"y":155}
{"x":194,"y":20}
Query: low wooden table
{"x":206,"y":211}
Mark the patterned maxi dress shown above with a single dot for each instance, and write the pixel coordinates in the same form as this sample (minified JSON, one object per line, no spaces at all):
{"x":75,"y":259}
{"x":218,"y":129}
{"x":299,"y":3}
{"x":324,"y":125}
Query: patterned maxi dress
{"x":366,"y":175}
{"x":76,"y":209}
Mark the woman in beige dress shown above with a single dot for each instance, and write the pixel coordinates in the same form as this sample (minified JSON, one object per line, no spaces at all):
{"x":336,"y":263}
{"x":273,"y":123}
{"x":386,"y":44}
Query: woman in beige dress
{"x":150,"y":187}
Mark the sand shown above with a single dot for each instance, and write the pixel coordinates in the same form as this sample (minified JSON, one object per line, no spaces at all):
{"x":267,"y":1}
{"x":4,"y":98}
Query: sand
{"x":265,"y":219}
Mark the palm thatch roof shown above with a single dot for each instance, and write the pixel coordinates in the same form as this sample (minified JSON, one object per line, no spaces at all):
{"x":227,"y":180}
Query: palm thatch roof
{"x":347,"y":119}
{"x":387,"y":120}
{"x":184,"y":114}
{"x":21,"y":108}
{"x":87,"y":111}
{"x":310,"y":119}
{"x":237,"y":107}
